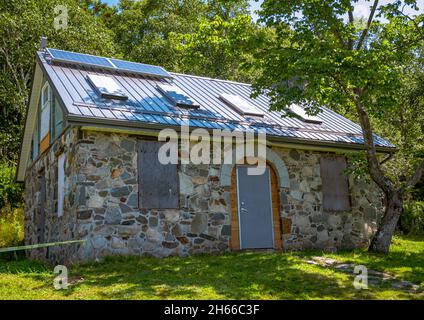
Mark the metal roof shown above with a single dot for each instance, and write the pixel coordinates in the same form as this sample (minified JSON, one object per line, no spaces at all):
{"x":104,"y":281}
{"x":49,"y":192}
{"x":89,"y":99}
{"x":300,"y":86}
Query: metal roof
{"x":147,"y":105}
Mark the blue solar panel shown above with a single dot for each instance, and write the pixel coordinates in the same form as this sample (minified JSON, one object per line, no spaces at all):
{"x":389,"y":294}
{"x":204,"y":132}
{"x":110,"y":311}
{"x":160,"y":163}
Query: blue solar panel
{"x":140,"y":68}
{"x":118,"y":65}
{"x":66,"y":56}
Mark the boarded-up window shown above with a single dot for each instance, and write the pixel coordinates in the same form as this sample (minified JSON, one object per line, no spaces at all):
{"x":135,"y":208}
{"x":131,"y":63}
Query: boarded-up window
{"x":60,"y":184}
{"x":335,"y":188}
{"x":158,"y":183}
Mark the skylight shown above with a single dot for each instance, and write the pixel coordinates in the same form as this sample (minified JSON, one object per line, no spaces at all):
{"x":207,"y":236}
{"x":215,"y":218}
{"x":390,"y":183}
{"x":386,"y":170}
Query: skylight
{"x":106,"y":87}
{"x":299,"y":112}
{"x":177,"y":96}
{"x":241,"y":105}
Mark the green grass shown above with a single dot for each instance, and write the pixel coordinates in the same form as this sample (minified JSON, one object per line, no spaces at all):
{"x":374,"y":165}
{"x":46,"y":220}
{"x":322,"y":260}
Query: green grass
{"x":243,"y":275}
{"x":11,"y":227}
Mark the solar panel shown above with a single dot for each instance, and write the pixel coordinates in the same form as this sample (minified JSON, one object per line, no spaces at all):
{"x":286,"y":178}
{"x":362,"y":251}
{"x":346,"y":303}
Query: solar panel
{"x":106,"y":87}
{"x":145,"y":69}
{"x":114,"y":64}
{"x":241,"y":105}
{"x":300,"y":113}
{"x":177,"y":96}
{"x":86,"y":59}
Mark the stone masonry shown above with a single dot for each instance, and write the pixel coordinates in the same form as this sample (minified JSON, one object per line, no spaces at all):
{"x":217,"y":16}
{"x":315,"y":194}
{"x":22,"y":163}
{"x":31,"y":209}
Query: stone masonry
{"x":101,"y":204}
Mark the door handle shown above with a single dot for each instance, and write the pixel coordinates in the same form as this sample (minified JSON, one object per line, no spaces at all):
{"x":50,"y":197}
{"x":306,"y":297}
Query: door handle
{"x":243,"y":210}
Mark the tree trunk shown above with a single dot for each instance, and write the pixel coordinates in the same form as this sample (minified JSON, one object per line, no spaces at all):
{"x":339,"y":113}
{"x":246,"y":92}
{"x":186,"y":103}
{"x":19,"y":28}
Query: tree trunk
{"x":382,"y":239}
{"x":394,"y":197}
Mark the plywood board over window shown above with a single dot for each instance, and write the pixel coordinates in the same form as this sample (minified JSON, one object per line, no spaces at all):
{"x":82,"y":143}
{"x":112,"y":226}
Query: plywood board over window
{"x":335,"y":187}
{"x":158,"y":182}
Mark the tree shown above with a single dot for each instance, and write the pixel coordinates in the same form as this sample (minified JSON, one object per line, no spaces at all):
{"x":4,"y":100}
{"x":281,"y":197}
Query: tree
{"x":323,"y":56}
{"x":22,"y":23}
{"x":167,"y":32}
{"x":142,"y":28}
{"x":221,"y":48}
{"x":406,"y":126}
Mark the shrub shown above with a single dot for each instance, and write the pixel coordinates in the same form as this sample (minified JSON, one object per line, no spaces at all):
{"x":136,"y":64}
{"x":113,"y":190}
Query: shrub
{"x":11,"y":227}
{"x":10,"y":191}
{"x":412,"y":218}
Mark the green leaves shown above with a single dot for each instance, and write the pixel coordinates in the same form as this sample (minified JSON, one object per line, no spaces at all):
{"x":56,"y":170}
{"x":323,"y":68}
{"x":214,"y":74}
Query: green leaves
{"x":10,"y":191}
{"x":219,"y":48}
{"x":193,"y":36}
{"x":22,"y":23}
{"x":323,"y":55}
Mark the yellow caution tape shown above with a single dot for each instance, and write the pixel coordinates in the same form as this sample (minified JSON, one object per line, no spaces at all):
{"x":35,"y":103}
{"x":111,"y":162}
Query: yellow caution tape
{"x":42,"y":245}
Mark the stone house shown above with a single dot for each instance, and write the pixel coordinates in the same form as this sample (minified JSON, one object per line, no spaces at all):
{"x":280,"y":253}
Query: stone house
{"x":89,"y":161}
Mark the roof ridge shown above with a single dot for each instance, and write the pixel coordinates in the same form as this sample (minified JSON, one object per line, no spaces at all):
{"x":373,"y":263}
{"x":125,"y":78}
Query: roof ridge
{"x":209,"y":78}
{"x":153,"y":65}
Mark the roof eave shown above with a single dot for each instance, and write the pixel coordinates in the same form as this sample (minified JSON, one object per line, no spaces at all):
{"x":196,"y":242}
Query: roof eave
{"x":31,"y":107}
{"x":135,"y":127}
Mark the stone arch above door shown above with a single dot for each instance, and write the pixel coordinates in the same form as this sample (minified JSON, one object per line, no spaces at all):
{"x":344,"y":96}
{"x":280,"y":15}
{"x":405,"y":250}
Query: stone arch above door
{"x":271,"y":158}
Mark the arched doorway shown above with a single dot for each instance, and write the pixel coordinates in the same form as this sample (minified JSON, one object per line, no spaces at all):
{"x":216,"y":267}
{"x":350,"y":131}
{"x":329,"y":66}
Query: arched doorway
{"x":255,"y":224}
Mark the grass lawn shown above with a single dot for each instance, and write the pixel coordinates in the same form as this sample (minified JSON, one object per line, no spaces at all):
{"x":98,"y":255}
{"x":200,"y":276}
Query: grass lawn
{"x":243,"y":275}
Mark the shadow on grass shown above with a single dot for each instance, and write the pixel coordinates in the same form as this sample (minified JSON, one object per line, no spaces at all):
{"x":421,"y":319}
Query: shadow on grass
{"x":244,"y":275}
{"x":228,"y":276}
{"x":405,"y":259}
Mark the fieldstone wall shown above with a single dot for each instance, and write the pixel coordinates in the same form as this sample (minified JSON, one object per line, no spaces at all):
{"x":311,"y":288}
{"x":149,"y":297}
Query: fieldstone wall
{"x":107,"y":205}
{"x":56,"y":229}
{"x":102,"y":204}
{"x":307,"y":225}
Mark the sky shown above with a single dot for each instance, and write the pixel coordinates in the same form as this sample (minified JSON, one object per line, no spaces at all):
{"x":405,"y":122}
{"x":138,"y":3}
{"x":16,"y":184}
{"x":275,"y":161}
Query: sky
{"x":362,"y":8}
{"x":253,"y":5}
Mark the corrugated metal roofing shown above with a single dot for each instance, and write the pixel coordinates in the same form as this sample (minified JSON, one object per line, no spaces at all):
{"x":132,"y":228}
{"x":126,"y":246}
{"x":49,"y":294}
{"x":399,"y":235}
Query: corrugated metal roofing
{"x":146,"y":104}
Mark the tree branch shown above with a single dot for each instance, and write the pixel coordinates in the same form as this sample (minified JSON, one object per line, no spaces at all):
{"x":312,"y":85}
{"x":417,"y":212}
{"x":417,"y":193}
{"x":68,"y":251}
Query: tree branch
{"x":414,"y":22}
{"x":11,"y":67}
{"x":332,"y":22}
{"x":373,"y":164}
{"x":416,"y":177}
{"x":375,"y":170}
{"x":367,"y":28}
{"x":338,"y":37}
{"x":406,"y":44}
{"x":351,"y":21}
{"x":350,"y":13}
